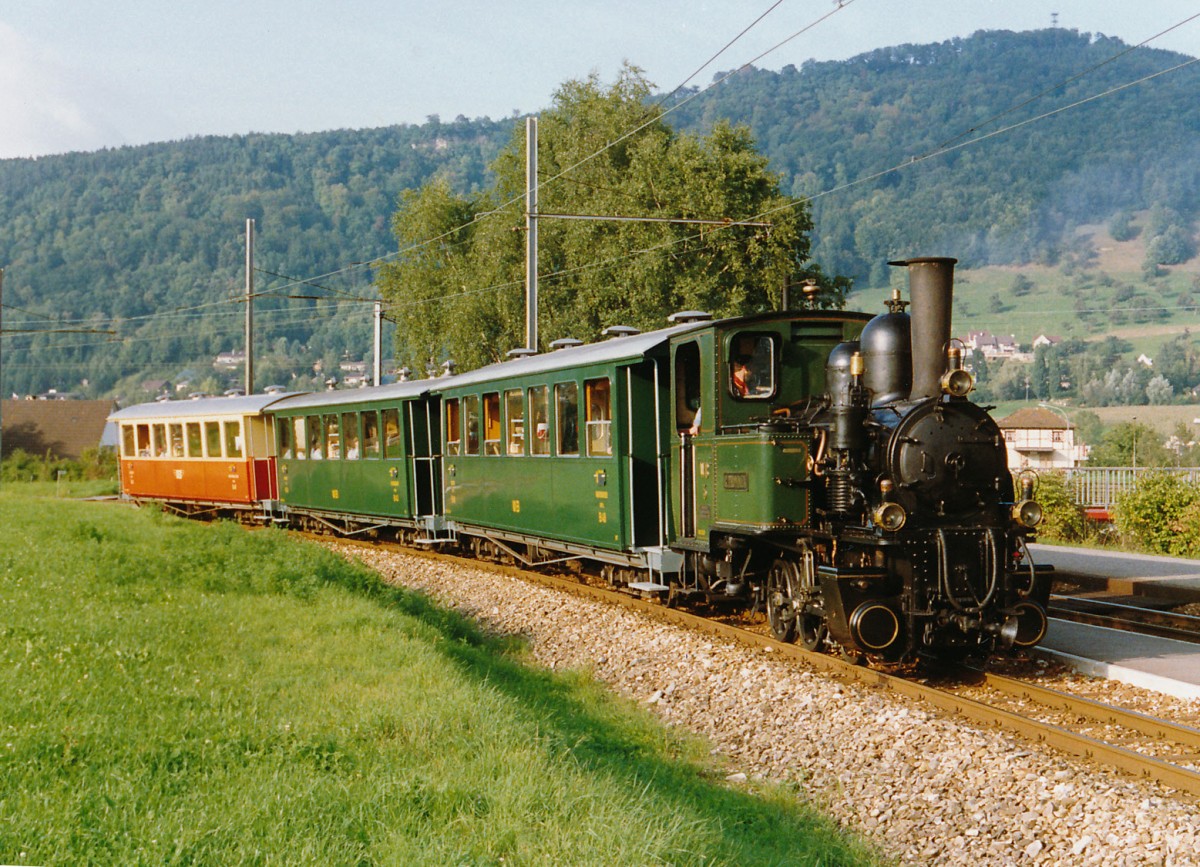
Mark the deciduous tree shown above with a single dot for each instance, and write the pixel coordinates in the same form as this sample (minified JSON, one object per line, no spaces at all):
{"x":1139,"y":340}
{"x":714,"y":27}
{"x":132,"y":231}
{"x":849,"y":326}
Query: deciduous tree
{"x":457,"y":288}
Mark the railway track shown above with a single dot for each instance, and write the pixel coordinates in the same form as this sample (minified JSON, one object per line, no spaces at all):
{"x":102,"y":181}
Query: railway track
{"x":1125,"y":616}
{"x":1128,"y":741}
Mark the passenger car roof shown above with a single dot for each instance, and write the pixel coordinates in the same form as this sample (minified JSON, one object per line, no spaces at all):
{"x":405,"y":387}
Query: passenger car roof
{"x":251,"y":404}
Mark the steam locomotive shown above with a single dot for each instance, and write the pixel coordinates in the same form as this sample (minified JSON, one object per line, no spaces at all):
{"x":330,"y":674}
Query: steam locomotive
{"x":826,"y":468}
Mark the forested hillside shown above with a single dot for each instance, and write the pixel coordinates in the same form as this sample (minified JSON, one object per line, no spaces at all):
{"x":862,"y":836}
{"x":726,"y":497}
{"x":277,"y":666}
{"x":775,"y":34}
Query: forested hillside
{"x":147,"y":242}
{"x":1010,"y":198}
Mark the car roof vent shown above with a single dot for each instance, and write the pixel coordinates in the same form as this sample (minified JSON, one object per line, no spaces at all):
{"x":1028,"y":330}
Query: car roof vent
{"x":521,"y":352}
{"x":404,"y":374}
{"x":449,"y":366}
{"x":620,"y":331}
{"x":565,"y":343}
{"x":689,"y":316}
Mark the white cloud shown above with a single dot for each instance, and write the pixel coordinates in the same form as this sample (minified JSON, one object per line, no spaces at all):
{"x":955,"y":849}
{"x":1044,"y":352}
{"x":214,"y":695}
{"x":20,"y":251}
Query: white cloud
{"x":42,"y":110}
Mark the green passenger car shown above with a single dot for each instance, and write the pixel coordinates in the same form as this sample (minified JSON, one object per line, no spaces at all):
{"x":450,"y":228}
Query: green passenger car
{"x":373,"y":453}
{"x":568,"y":447}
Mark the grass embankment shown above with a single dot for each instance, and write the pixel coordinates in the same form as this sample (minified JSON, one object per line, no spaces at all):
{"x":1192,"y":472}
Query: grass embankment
{"x":172,"y":692}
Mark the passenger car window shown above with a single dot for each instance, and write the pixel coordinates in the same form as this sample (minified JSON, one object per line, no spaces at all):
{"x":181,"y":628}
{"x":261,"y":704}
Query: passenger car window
{"x":160,"y":440}
{"x":539,"y":412}
{"x":283,"y":438}
{"x":312,"y":425}
{"x":491,"y":423}
{"x":194,"y":447}
{"x":143,"y":440}
{"x":176,"y":431}
{"x":350,"y":435}
{"x":514,"y":410}
{"x":233,"y":439}
{"x":370,"y":422}
{"x":471,"y":409}
{"x":751,"y":373}
{"x":453,"y":427}
{"x":566,"y":403}
{"x":301,"y":438}
{"x":391,"y":433}
{"x":599,"y":417}
{"x":128,"y":447}
{"x":212,"y":438}
{"x":333,"y":441}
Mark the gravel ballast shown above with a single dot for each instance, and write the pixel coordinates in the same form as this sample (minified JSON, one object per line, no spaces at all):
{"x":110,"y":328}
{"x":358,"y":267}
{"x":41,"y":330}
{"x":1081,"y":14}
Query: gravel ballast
{"x":927,"y":788}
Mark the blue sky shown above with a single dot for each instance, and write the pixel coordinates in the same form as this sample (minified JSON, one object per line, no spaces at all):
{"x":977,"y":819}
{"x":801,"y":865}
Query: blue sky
{"x":86,"y":74}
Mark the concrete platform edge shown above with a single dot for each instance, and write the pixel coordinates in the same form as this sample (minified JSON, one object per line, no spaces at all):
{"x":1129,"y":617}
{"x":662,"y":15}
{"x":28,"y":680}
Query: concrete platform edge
{"x":1131,"y":676}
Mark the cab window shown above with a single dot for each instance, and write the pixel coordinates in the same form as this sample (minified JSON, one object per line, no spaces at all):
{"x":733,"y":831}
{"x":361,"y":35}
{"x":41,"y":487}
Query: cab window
{"x":599,"y":417}
{"x":491,"y":423}
{"x":453,"y":427}
{"x":566,"y":406}
{"x":751,"y":368}
{"x":514,"y":413}
{"x":370,"y":421}
{"x":539,"y":412}
{"x":212,"y":438}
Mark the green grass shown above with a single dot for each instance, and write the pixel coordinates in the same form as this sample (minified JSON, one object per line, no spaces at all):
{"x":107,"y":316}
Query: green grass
{"x":179,"y":693}
{"x":77,"y":488}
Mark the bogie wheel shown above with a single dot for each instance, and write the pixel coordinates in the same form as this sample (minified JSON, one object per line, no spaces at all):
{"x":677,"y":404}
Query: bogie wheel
{"x":782,"y":581}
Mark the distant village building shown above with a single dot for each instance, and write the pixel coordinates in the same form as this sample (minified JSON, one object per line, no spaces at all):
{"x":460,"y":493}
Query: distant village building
{"x":992,"y":346}
{"x":1145,"y":360}
{"x":230,"y":360}
{"x":62,"y":428}
{"x":1042,"y":439}
{"x":1046,"y":340}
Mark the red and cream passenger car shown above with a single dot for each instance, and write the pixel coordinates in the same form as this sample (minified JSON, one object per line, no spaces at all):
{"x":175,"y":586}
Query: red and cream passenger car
{"x":212,"y":452}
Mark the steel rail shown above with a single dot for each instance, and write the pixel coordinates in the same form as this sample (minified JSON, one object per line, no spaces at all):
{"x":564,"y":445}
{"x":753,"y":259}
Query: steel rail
{"x":1111,"y":755}
{"x":1162,"y":624}
{"x":1158,"y":729}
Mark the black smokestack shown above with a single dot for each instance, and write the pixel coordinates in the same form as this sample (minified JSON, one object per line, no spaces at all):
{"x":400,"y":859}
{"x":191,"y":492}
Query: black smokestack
{"x":931,"y":290}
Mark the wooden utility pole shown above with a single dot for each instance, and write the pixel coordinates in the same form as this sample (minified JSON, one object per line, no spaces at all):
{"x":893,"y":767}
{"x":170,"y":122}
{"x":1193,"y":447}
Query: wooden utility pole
{"x":531,"y":238}
{"x":378,"y":344}
{"x":249,"y":306}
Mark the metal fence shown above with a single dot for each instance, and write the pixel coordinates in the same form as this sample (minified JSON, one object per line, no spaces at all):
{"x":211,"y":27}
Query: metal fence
{"x":1099,"y":487}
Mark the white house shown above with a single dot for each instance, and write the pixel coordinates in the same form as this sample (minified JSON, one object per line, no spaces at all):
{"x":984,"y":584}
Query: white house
{"x":1042,"y":439}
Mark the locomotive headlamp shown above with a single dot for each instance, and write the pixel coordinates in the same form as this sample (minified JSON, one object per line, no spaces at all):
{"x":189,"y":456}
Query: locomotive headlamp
{"x":956,"y":381}
{"x":1027,"y":513}
{"x":890,"y":516}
